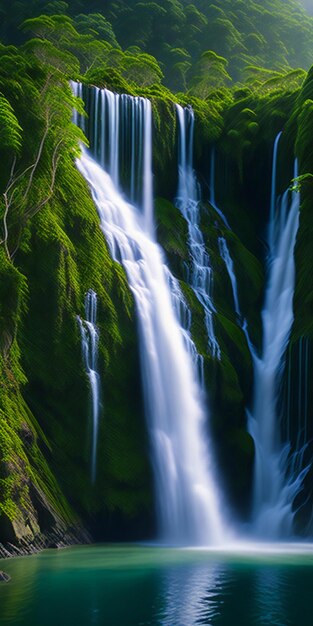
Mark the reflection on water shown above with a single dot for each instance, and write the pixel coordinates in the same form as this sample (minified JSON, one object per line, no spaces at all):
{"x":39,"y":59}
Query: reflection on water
{"x":191,"y":595}
{"x":14,"y":598}
{"x":270,"y":597}
{"x":141,"y":586}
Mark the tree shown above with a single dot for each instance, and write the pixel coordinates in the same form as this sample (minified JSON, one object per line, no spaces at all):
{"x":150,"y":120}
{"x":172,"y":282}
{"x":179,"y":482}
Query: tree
{"x":211,"y":74}
{"x":97,"y":26}
{"x":49,"y":138}
{"x":142,"y":69}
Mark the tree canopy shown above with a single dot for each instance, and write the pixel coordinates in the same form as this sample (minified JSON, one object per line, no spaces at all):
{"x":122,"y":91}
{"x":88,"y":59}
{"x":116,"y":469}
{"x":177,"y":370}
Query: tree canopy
{"x":273,"y":34}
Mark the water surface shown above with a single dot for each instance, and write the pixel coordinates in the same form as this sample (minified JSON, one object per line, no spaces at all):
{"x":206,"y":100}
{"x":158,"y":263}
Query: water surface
{"x":152,"y":586}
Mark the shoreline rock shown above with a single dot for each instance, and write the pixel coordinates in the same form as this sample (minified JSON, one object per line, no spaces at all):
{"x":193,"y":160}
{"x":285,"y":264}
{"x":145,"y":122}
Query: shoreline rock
{"x":56,"y":538}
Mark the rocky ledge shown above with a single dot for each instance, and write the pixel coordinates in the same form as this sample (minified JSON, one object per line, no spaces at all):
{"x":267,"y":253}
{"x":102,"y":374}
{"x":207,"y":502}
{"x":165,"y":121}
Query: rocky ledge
{"x":56,"y":538}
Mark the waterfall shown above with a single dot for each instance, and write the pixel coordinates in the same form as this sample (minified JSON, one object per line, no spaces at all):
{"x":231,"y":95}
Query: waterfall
{"x":186,"y":495}
{"x":225,"y":254}
{"x":120,"y":142}
{"x":187,"y":201}
{"x":297,"y":427}
{"x":184,"y":318}
{"x":78,"y":119}
{"x":212,"y":190}
{"x":275,"y":487}
{"x":273,"y":222}
{"x":297,"y":392}
{"x":90,"y":340}
{"x":242,"y":322}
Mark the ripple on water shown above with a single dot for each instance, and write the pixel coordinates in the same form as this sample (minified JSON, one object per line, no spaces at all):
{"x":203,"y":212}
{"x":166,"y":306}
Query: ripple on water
{"x":155,"y":586}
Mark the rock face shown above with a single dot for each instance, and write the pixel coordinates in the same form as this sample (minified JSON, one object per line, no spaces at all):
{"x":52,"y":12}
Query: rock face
{"x":56,"y":538}
{"x":4,"y":577}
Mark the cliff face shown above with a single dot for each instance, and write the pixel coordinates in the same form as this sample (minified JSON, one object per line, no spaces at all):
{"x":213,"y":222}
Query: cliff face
{"x":45,"y":484}
{"x":45,"y":429}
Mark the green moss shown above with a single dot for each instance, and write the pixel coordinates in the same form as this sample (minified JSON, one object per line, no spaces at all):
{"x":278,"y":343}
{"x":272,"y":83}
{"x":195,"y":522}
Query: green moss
{"x":67,"y":255}
{"x":198,"y":330}
{"x":22,"y":464}
{"x":236,"y":335}
{"x":13,"y":292}
{"x":172,"y":232}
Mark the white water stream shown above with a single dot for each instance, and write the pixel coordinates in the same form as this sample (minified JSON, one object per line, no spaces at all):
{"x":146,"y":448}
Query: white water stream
{"x":90,"y":340}
{"x":201,"y":273}
{"x":186,"y":494}
{"x":274,"y":487}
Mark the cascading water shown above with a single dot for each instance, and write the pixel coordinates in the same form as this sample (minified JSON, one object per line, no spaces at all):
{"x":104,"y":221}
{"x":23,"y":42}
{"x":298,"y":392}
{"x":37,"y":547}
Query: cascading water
{"x":186,"y":495}
{"x":274,"y":487}
{"x":78,"y":119}
{"x":90,"y":340}
{"x":297,"y":393}
{"x":225,"y":254}
{"x":187,"y":201}
{"x":273,"y":222}
{"x":183,"y":315}
{"x":212,"y":190}
{"x":297,"y":426}
{"x":242,"y":322}
{"x":120,"y":142}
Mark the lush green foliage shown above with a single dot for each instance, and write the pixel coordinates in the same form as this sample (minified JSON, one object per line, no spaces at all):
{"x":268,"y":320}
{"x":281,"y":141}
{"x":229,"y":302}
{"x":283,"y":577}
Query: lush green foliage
{"x":272,"y":34}
{"x":52,"y":252}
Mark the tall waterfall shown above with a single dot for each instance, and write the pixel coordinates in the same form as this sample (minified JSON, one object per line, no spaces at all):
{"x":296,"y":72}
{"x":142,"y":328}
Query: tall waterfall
{"x":274,"y":487}
{"x":90,"y":339}
{"x":186,"y":495}
{"x":201,"y":274}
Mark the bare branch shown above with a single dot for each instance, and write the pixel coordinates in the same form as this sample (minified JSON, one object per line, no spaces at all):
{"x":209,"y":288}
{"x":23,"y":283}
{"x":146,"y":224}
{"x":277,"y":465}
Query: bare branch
{"x":33,"y":167}
{"x":39,"y":153}
{"x":12,"y":189}
{"x":7,"y":204}
{"x":5,"y":227}
{"x":46,"y":85}
{"x":12,"y":169}
{"x":31,"y":212}
{"x":54,"y":162}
